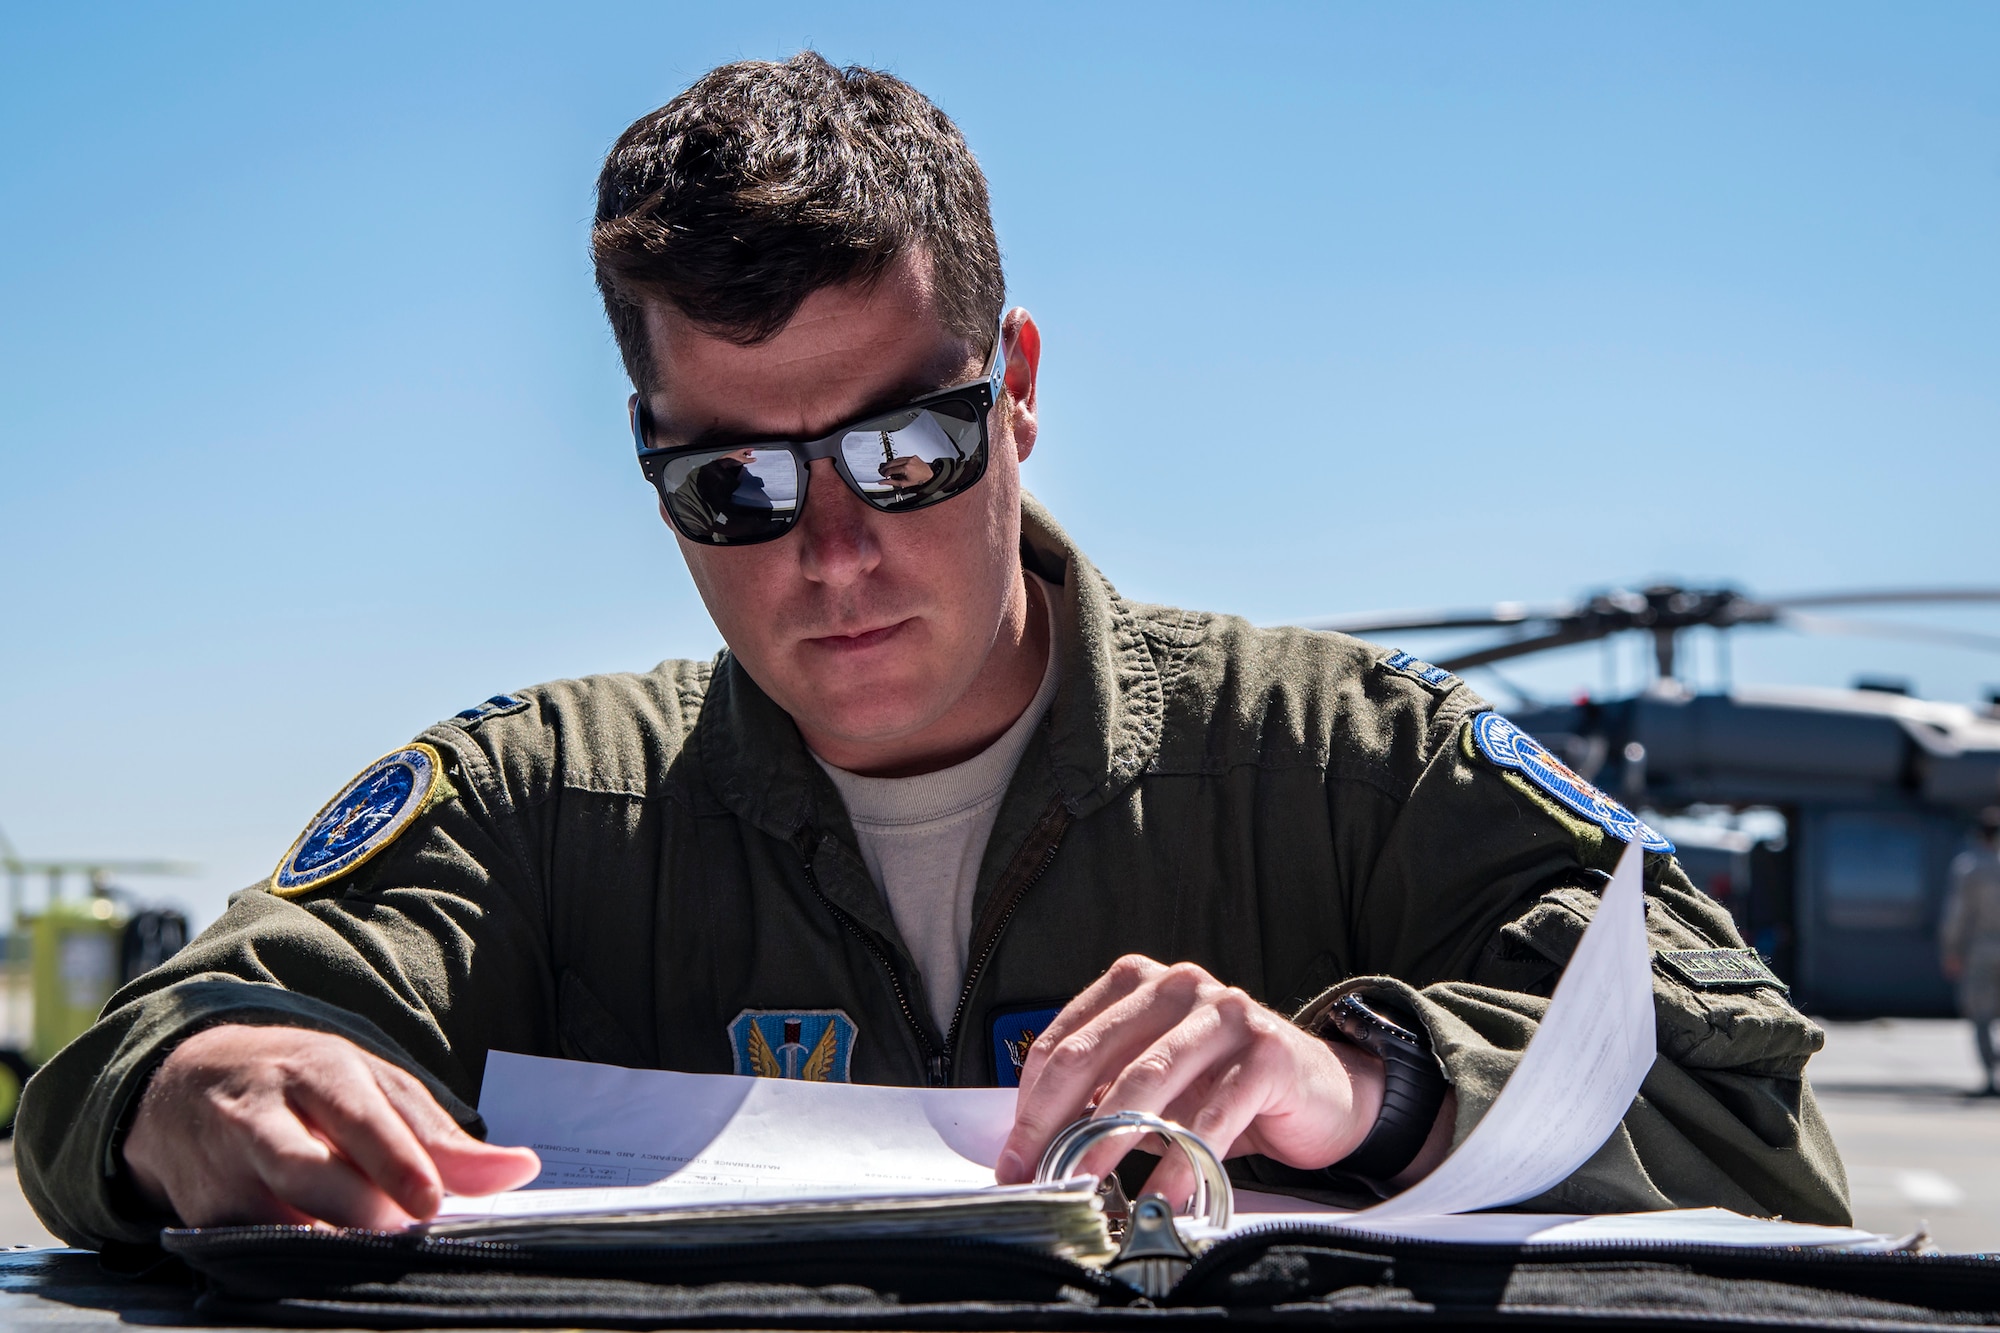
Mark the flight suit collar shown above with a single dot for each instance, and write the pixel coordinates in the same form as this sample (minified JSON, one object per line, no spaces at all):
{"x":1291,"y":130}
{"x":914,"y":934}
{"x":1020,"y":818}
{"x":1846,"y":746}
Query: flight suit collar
{"x":1105,"y":723}
{"x":1103,"y":726}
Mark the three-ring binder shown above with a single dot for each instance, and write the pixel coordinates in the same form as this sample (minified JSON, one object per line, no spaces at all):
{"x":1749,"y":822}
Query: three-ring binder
{"x":1153,"y":1256}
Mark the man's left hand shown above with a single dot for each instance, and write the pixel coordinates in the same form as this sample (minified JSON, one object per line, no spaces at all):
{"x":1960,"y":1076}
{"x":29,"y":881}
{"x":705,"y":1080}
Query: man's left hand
{"x":1178,"y":1043}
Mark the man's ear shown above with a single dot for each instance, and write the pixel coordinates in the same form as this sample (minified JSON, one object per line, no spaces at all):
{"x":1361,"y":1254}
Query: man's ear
{"x":1024,"y":364}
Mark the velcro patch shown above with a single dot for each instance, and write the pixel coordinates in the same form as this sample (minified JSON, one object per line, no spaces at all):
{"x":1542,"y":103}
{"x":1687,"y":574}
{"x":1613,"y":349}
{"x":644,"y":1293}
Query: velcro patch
{"x":1435,"y":676}
{"x":1720,"y":969}
{"x":498,"y":705}
{"x":369,"y":813}
{"x":1507,"y":746}
{"x":1014,"y":1029}
{"x":812,"y":1045}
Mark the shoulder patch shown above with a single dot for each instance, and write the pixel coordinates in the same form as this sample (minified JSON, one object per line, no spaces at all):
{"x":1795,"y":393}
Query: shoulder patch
{"x":1435,"y":676}
{"x":498,"y":706}
{"x":815,"y":1045}
{"x":1720,"y":969}
{"x":368,"y":814}
{"x":1507,"y":746}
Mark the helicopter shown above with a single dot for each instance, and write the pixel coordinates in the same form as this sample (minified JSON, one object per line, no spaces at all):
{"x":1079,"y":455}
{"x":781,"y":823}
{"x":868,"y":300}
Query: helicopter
{"x":61,"y":961}
{"x":1825,"y":820}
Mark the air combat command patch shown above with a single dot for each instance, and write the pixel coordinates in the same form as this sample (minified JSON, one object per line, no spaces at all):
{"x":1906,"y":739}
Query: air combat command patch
{"x":1511,"y":748}
{"x":368,"y":814}
{"x":815,"y":1045}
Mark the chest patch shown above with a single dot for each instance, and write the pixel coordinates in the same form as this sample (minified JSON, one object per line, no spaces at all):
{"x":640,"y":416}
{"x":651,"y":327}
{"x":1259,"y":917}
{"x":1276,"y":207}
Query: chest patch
{"x":815,"y":1045}
{"x":1509,"y":747}
{"x":1013,"y":1030}
{"x":369,"y":813}
{"x":1720,"y":969}
{"x":1435,"y":676}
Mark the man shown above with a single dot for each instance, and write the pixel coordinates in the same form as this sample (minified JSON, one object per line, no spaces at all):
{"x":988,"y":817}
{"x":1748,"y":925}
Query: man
{"x":947,"y":810}
{"x":1969,"y":938}
{"x":723,"y":485}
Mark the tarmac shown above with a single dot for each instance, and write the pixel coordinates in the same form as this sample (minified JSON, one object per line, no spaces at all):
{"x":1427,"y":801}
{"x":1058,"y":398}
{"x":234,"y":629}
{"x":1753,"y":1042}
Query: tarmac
{"x":1922,"y":1150}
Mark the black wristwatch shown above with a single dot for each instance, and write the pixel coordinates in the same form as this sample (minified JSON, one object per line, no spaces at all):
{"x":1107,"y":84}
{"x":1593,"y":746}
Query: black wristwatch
{"x":1413,"y":1088}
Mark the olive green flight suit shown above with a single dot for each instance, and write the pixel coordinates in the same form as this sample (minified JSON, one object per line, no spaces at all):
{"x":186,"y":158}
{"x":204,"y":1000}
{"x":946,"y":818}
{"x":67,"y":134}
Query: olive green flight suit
{"x":621,"y":865}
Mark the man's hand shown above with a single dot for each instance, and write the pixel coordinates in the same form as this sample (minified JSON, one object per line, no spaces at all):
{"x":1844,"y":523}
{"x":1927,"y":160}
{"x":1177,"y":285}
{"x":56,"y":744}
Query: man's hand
{"x":1954,"y":966}
{"x":907,"y":471}
{"x":275,"y":1124}
{"x":1179,"y":1043}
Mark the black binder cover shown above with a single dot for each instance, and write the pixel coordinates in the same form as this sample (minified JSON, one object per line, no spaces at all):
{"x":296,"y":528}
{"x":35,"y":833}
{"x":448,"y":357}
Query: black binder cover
{"x":1280,"y":1275}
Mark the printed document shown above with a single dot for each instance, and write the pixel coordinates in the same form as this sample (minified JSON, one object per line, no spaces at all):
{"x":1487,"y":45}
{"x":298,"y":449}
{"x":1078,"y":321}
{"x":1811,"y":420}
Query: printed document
{"x":630,"y":1140}
{"x":603,"y":1131}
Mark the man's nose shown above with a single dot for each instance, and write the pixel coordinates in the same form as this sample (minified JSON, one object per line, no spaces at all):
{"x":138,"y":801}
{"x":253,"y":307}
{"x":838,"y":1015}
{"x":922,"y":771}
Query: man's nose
{"x":836,"y":531}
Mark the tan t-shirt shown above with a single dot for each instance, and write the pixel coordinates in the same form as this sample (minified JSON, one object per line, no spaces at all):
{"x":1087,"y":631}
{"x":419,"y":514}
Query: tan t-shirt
{"x":923,"y":837}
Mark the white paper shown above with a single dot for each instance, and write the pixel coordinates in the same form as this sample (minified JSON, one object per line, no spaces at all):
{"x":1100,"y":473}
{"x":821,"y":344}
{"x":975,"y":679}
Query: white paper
{"x":1693,"y":1226}
{"x":707,"y":1138}
{"x":1575,"y":1081}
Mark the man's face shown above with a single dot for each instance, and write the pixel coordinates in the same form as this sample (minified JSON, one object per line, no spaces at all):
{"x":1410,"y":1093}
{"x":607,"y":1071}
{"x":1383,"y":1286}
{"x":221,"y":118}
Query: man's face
{"x":876,"y":632}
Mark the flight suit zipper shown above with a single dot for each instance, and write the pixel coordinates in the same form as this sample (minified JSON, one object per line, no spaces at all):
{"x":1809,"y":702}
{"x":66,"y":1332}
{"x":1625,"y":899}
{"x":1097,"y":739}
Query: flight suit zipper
{"x":938,"y":1064}
{"x":934,"y":1059}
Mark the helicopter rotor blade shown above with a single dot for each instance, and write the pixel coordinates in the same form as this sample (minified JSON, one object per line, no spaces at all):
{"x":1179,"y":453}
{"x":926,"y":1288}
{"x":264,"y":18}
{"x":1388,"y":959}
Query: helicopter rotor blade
{"x":1500,"y":652}
{"x":1664,"y":611}
{"x":1885,"y":597}
{"x":24,"y":866}
{"x":1503,"y":615}
{"x":1888,"y":629}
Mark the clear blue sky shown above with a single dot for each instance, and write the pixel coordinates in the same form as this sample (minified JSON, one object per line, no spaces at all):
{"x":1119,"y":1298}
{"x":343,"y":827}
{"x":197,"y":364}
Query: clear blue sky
{"x":312,"y":430}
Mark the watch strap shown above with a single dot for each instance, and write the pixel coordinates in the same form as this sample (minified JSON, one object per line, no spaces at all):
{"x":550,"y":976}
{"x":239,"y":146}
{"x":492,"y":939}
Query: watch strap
{"x":1413,"y":1090}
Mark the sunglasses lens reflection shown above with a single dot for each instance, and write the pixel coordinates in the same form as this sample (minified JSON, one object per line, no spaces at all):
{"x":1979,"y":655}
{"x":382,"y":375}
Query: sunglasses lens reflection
{"x":911,"y":458}
{"x":905,"y":460}
{"x":731,"y":495}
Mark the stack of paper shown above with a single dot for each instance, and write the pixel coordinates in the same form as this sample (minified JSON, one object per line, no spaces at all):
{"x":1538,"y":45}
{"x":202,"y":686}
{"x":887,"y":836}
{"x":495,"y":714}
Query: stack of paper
{"x":677,"y":1159}
{"x":1065,"y":1220}
{"x":707,"y":1159}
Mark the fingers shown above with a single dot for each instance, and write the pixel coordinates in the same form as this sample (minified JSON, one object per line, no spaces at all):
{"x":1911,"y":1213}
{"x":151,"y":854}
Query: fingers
{"x":304,"y":1173}
{"x":1209,"y":1074}
{"x":1175,"y":1042}
{"x":354,"y":1117}
{"x":464,"y":1165}
{"x":468,"y":1166}
{"x":1219,"y":1111}
{"x":270,"y":1124}
{"x":1119,"y":980}
{"x":1169,"y":1078}
{"x":1086,"y":1048}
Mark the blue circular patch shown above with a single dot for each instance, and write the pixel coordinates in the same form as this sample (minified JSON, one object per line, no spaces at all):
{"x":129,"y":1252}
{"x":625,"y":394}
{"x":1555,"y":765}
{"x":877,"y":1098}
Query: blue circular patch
{"x":367,"y":816}
{"x":1514,"y":749}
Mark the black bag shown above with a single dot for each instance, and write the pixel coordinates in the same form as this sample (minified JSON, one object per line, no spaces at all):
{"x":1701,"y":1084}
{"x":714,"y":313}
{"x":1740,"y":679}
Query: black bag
{"x":1280,"y":1275}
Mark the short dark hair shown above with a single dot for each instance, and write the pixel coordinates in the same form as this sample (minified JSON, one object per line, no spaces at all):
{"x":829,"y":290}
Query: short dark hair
{"x":767,"y":181}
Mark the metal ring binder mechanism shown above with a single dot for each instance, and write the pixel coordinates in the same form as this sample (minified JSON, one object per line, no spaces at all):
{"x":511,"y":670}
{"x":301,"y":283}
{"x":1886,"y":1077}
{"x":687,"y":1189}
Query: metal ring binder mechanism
{"x":1153,"y":1256}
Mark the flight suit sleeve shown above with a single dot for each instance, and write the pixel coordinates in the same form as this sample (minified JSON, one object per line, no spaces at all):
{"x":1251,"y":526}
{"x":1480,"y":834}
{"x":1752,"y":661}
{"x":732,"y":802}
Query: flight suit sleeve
{"x":1481,"y":890}
{"x":427,"y":955}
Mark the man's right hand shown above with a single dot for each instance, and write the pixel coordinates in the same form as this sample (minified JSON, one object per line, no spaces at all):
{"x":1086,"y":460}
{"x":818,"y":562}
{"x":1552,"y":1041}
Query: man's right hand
{"x":275,"y":1124}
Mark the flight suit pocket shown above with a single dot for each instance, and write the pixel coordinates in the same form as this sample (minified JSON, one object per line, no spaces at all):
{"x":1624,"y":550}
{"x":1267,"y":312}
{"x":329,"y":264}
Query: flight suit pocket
{"x":1750,"y":1029}
{"x":587,"y":1030}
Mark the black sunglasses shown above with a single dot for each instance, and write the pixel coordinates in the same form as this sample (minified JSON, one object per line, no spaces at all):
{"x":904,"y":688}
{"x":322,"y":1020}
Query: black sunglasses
{"x":910,"y":457}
